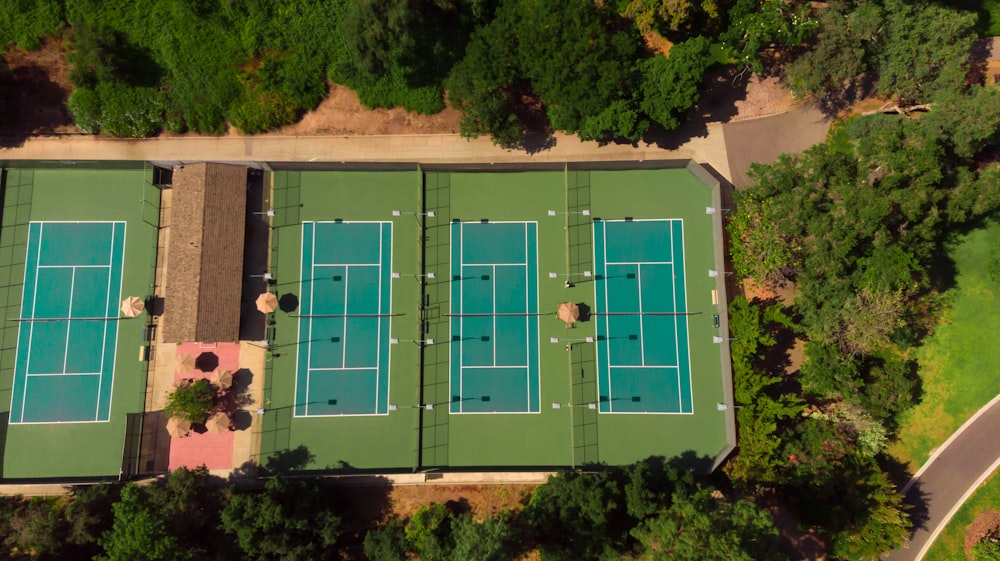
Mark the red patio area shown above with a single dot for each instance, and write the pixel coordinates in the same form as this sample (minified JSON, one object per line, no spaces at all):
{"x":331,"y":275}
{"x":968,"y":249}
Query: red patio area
{"x":214,"y":451}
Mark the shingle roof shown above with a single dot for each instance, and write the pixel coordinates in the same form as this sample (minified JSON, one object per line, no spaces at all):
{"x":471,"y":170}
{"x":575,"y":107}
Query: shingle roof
{"x":205,"y":254}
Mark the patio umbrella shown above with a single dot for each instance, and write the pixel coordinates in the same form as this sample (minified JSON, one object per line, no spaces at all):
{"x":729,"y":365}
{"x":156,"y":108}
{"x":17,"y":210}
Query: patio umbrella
{"x":132,"y":306}
{"x":178,"y":428}
{"x":267,"y":302}
{"x":568,"y":312}
{"x":222,"y":378}
{"x":184,"y":363}
{"x":218,"y":423}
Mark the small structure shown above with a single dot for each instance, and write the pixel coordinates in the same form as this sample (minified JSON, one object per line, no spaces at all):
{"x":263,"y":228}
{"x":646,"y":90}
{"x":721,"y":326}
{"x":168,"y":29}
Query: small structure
{"x":178,"y":428}
{"x":205,"y":259}
{"x":569,"y":313}
{"x":132,"y":306}
{"x":218,"y":423}
{"x":267,"y":303}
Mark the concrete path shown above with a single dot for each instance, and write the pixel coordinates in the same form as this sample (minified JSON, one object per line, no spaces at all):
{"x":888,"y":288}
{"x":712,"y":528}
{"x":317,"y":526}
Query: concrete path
{"x":762,"y":140}
{"x":950,"y":476}
{"x":708,"y":148}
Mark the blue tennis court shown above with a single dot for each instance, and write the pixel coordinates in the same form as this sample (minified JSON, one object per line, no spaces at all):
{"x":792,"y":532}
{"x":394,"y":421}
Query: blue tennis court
{"x":344,"y":305}
{"x":643,"y":358}
{"x":494,"y":323}
{"x":68,"y":330}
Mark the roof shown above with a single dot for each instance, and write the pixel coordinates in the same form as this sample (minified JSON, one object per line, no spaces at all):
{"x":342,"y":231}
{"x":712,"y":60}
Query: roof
{"x":204,"y":274}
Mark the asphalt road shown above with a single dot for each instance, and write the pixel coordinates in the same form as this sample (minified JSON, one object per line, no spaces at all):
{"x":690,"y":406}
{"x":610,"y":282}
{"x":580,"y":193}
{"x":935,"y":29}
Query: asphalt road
{"x":949,"y":477}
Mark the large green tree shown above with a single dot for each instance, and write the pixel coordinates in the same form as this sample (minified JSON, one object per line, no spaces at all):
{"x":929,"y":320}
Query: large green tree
{"x":291,"y":519}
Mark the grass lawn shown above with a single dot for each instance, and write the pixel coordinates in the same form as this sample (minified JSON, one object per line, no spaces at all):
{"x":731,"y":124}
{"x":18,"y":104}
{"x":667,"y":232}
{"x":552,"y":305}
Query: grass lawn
{"x":956,"y":371}
{"x":950,"y":544}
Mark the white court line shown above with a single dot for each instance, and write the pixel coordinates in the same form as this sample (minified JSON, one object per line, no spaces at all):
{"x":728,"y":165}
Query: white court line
{"x":642,"y":332}
{"x":500,"y":367}
{"x":640,"y":263}
{"x":527,"y":323}
{"x":343,"y":340}
{"x":69,"y":316}
{"x":642,"y":366}
{"x":348,"y":264}
{"x":335,"y":369}
{"x":388,"y":354}
{"x":607,"y":319}
{"x":31,"y":326}
{"x":494,"y":264}
{"x":687,"y":323}
{"x":493,"y":273}
{"x":108,"y":325}
{"x":42,"y":375}
{"x":312,"y":303}
{"x":378,"y":310}
{"x":461,"y":316}
{"x":74,"y":266}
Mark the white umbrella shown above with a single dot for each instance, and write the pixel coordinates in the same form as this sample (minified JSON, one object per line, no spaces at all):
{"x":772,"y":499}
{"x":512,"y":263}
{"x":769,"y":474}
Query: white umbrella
{"x":132,"y":306}
{"x":218,"y":423}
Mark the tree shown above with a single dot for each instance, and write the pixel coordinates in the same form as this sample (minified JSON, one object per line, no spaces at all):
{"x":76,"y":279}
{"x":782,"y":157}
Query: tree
{"x":672,"y":15}
{"x":698,"y":526}
{"x":138,"y":532}
{"x":672,"y":85}
{"x":756,"y":24}
{"x":387,"y":542}
{"x":926,"y":50}
{"x":576,"y":63}
{"x":846,"y":46}
{"x":191,"y":402}
{"x":761,"y":252}
{"x":291,"y":519}
{"x":488,"y":540}
{"x":578,"y":517}
{"x":430,"y":532}
{"x":39,"y":530}
{"x":868,"y":319}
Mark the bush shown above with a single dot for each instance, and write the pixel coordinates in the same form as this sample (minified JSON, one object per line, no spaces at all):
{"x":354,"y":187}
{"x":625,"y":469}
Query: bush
{"x":191,"y":402}
{"x":85,"y":106}
{"x":386,"y":543}
{"x":128,"y":111}
{"x":260,"y":111}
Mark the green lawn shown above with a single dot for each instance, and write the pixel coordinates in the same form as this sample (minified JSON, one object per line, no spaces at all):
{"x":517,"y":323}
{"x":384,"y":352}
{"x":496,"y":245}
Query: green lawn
{"x":949,"y":545}
{"x":957,"y":374}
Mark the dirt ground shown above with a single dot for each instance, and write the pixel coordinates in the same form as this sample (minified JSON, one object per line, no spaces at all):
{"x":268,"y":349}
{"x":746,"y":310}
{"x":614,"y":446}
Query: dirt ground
{"x":36,"y":102}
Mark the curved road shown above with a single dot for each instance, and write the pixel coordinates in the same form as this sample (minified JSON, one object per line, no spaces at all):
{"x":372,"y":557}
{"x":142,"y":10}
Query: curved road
{"x":952,"y":473}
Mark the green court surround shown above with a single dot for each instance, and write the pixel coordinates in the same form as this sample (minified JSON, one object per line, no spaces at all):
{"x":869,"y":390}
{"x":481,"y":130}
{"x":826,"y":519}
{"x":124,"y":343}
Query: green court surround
{"x":420,"y":432}
{"x":119,"y":193}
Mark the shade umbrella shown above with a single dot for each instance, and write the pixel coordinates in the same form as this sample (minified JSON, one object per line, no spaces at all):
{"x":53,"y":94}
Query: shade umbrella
{"x":218,"y":423}
{"x":222,"y":378}
{"x":267,"y":302}
{"x":178,"y":428}
{"x":568,"y":312}
{"x":184,"y":363}
{"x":132,"y":306}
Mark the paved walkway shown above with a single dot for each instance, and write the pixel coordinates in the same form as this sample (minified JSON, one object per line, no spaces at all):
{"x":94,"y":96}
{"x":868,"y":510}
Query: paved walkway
{"x":438,"y":148}
{"x":762,"y":140}
{"x":952,"y":473}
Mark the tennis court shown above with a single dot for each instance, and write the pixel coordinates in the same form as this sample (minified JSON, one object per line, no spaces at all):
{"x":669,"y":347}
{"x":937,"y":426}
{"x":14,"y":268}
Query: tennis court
{"x":494,"y":321}
{"x":68,"y":330}
{"x":643,"y":358}
{"x":343,"y":347}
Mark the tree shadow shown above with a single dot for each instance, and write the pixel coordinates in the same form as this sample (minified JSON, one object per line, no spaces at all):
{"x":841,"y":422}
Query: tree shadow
{"x":979,"y":56}
{"x":33,"y":104}
{"x":916,"y":500}
{"x":287,"y":461}
{"x":836,"y":100}
{"x":369,"y":505}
